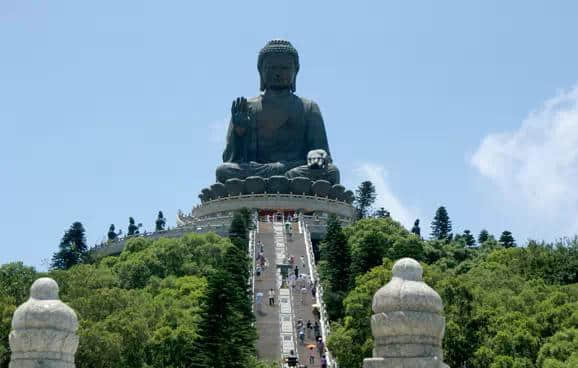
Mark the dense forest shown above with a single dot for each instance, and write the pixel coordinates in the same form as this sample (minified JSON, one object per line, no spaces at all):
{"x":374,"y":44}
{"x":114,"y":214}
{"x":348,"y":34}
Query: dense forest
{"x":166,"y":303}
{"x":505,"y":306}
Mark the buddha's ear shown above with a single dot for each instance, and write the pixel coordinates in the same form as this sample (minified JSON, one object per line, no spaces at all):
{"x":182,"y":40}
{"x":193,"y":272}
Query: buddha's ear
{"x":262,"y":82}
{"x":294,"y":84}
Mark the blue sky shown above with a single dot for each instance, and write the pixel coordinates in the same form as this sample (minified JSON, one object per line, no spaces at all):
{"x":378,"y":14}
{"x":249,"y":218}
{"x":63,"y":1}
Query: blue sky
{"x":113,"y":109}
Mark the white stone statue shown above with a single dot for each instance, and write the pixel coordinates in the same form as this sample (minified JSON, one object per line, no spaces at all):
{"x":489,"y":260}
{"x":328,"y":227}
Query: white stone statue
{"x":407,"y":326}
{"x":43,"y":330}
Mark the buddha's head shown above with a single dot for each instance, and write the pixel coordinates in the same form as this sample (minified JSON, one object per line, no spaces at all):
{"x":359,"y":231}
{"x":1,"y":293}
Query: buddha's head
{"x":317,"y":159}
{"x":278,"y":65}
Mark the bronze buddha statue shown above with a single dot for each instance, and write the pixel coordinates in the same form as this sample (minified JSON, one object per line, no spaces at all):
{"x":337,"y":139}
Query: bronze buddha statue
{"x":277,"y":132}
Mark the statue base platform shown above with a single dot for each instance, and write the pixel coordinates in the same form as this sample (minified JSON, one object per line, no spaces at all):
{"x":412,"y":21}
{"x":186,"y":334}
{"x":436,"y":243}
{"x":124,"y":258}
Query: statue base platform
{"x":282,"y":202}
{"x":215,"y":215}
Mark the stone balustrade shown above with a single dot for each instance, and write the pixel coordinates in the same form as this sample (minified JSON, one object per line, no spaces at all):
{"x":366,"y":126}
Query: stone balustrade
{"x":185,"y":224}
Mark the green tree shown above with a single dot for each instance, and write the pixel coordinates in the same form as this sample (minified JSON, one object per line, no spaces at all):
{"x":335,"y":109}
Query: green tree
{"x":254,"y":363}
{"x":441,"y":226}
{"x":7,"y":308}
{"x":134,"y":273}
{"x":160,"y":222}
{"x":406,"y":246}
{"x":463,"y":326}
{"x":238,"y":227}
{"x":507,"y":240}
{"x":239,"y":230}
{"x":483,"y":237}
{"x":560,"y":350}
{"x":469,"y":238}
{"x":15,"y":281}
{"x":370,"y":241}
{"x":336,"y":255}
{"x":554,"y":263}
{"x":222,"y":336}
{"x":247,"y":217}
{"x":364,"y":197}
{"x":351,"y":340}
{"x":99,"y":348}
{"x":72,"y":248}
{"x":237,"y":263}
{"x":335,"y":266}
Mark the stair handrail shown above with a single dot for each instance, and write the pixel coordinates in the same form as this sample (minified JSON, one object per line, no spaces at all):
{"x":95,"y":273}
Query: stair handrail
{"x":314,"y":274}
{"x":251,"y":285}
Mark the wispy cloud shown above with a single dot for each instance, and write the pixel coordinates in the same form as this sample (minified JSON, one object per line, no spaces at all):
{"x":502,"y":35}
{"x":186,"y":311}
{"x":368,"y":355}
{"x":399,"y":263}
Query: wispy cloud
{"x":536,"y":165}
{"x":385,"y":197}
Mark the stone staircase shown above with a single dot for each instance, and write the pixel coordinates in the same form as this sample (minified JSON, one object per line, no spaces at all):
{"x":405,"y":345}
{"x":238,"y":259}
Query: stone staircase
{"x":277,"y":325}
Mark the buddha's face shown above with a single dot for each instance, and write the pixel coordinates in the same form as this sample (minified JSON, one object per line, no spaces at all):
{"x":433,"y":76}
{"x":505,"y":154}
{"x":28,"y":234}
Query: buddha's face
{"x":278,"y":71}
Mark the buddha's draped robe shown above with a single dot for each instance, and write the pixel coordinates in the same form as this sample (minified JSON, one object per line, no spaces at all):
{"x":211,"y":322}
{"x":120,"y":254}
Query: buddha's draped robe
{"x":281,"y":130}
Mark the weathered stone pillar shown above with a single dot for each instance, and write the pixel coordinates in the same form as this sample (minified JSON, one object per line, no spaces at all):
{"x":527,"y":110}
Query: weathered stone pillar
{"x":43,"y":330}
{"x":407,"y":326}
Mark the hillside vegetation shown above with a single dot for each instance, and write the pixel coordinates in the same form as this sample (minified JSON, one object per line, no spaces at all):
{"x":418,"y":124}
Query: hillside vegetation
{"x":165,"y":303}
{"x":504,"y":307}
{"x":184,"y":302}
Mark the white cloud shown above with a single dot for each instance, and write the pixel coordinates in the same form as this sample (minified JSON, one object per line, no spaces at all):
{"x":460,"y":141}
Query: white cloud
{"x":537,"y":164}
{"x":385,"y":196}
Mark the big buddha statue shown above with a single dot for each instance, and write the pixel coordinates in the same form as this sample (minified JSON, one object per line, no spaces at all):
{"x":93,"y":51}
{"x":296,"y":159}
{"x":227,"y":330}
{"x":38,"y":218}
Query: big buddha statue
{"x":277,"y":132}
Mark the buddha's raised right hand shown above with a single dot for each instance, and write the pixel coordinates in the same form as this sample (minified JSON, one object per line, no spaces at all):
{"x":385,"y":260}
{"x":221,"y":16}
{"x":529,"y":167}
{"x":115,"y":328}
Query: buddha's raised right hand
{"x":240,"y":113}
